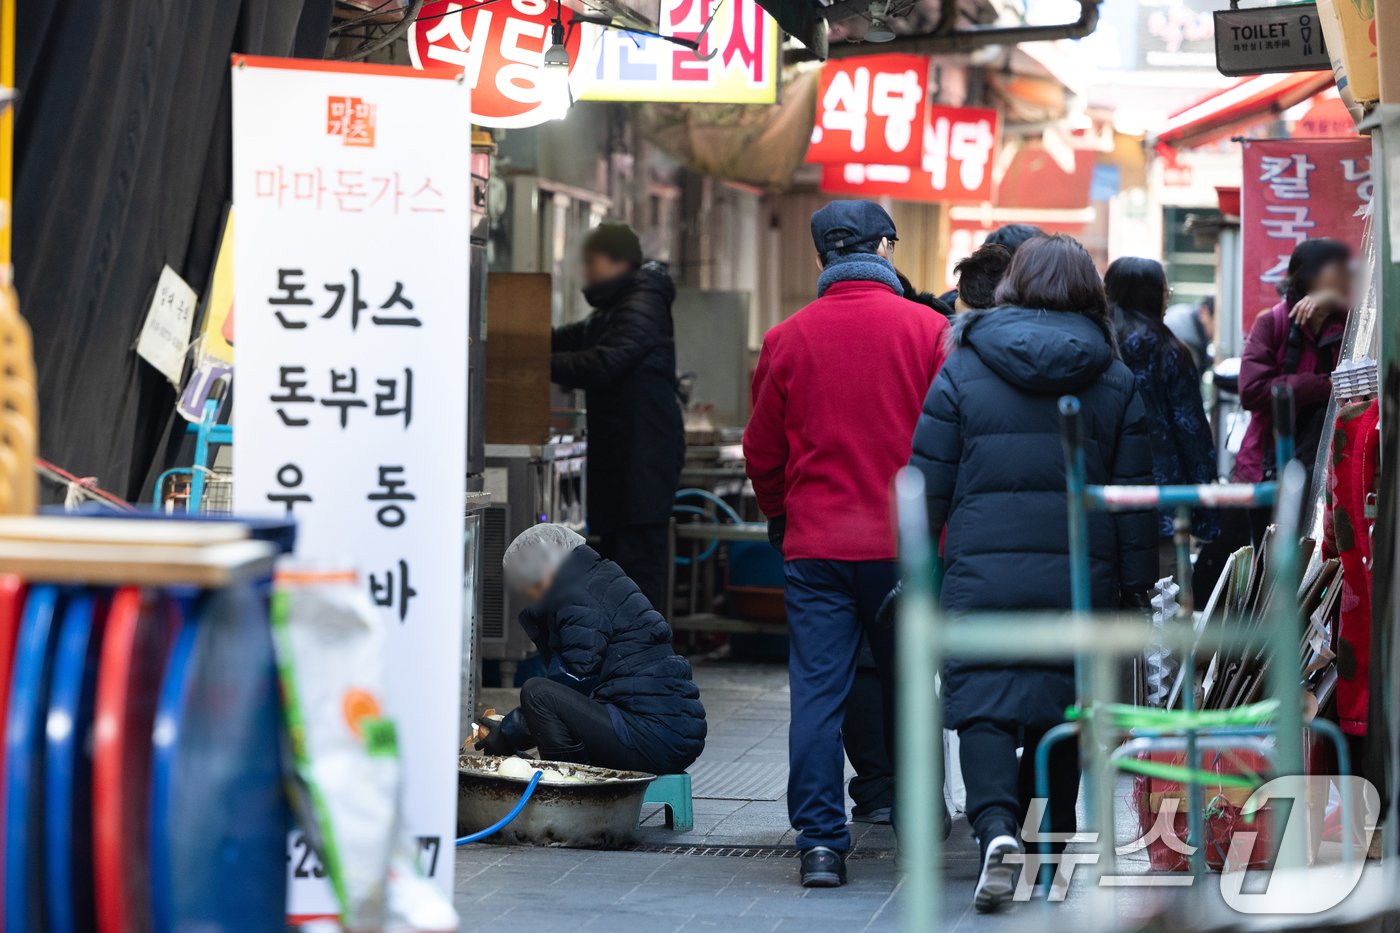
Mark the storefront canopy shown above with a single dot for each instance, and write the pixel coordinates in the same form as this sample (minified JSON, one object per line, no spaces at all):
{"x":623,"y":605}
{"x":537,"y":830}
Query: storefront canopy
{"x":1248,"y":102}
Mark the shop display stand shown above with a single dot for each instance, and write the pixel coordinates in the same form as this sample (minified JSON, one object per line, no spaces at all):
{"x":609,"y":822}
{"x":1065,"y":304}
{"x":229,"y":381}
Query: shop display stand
{"x":11,"y":607}
{"x":133,"y":658}
{"x":1101,"y":725}
{"x":68,"y":766}
{"x":24,"y":730}
{"x":1097,"y":642}
{"x":149,"y":643}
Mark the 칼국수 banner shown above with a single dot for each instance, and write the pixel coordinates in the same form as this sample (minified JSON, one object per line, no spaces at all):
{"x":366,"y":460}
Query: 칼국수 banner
{"x":1296,"y":190}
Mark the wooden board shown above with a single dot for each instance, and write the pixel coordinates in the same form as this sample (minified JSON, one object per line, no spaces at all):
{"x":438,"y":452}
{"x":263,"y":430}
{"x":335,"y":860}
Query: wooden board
{"x":68,"y":903}
{"x":24,"y":762}
{"x":518,"y":330}
{"x":117,"y":564}
{"x":134,"y":649}
{"x":218,"y":810}
{"x":129,"y":532}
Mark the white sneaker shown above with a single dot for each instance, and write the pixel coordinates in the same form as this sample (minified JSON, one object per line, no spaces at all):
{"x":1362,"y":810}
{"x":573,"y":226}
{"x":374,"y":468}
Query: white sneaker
{"x":998,"y":879}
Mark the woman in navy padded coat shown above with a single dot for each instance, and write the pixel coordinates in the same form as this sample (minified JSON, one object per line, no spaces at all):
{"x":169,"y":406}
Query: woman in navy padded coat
{"x":988,"y":444}
{"x":616,"y":694}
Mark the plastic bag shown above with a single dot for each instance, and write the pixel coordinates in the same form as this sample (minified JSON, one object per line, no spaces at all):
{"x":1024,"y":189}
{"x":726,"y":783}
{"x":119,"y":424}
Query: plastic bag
{"x":331,"y":649}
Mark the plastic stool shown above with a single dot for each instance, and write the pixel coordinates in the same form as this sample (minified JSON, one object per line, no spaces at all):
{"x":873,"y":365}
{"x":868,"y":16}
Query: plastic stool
{"x":673,"y":792}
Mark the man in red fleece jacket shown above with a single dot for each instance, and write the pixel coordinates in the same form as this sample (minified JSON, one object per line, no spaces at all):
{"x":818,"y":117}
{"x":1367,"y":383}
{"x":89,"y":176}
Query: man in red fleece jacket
{"x":837,"y":391}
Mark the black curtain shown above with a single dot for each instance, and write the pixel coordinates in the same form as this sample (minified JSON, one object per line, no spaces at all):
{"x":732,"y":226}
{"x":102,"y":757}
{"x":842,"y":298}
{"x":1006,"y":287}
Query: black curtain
{"x":123,"y":165}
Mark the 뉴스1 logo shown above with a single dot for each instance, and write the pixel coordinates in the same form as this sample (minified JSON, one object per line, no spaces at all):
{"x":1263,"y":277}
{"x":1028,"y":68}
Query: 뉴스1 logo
{"x":352,"y":119}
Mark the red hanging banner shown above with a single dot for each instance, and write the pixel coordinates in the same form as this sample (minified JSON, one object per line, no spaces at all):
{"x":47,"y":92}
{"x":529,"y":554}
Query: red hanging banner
{"x":959,"y":146}
{"x":870,"y":110}
{"x":1296,"y":190}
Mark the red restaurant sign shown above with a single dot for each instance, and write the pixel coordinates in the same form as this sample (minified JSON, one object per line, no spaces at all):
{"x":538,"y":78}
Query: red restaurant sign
{"x":958,"y":150}
{"x":1296,"y":190}
{"x":870,"y":110}
{"x":499,"y":47}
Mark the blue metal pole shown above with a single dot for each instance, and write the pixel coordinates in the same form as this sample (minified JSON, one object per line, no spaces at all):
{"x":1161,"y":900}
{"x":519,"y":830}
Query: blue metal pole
{"x":1195,"y":795}
{"x":1081,"y":600}
{"x":918,"y":715}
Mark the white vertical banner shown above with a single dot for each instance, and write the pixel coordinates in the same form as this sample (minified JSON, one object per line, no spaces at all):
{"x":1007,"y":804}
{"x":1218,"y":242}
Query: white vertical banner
{"x":352,"y":189}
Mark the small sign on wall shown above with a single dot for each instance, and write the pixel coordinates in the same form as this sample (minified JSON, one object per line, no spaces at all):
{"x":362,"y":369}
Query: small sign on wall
{"x":165,"y":337}
{"x":1270,"y":40}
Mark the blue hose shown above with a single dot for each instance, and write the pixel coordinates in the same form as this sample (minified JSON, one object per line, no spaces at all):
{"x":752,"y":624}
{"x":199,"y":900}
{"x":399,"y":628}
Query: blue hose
{"x":723,"y":506}
{"x":514,"y":812}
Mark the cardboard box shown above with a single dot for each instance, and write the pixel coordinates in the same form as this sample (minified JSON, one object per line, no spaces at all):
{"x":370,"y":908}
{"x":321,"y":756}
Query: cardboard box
{"x":1354,"y":21}
{"x":518,"y":329}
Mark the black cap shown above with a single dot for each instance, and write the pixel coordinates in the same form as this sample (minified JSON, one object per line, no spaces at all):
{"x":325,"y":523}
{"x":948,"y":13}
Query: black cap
{"x":614,"y":239}
{"x":847,"y":223}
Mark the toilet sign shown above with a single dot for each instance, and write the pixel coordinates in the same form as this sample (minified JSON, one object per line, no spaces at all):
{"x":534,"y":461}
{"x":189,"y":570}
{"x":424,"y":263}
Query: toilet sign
{"x":1270,"y":40}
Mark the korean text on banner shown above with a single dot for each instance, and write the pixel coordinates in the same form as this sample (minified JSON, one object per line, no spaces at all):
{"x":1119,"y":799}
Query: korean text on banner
{"x":871,"y":110}
{"x":1296,"y":190}
{"x":353,"y":195}
{"x":959,"y":149}
{"x":500,"y":48}
{"x":737,"y":61}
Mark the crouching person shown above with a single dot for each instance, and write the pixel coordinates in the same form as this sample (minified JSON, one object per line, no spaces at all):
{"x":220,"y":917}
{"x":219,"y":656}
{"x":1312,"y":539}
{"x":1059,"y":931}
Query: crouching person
{"x":616,"y":694}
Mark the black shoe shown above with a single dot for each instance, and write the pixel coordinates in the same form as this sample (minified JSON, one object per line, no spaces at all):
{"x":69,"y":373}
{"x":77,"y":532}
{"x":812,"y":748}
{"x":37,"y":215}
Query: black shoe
{"x":823,"y":868}
{"x":877,"y":815}
{"x":998,"y":879}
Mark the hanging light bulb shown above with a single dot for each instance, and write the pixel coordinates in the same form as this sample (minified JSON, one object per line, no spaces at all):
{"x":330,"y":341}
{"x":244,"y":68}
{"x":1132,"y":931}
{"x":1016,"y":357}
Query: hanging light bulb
{"x":555,"y":93}
{"x":879,"y":30}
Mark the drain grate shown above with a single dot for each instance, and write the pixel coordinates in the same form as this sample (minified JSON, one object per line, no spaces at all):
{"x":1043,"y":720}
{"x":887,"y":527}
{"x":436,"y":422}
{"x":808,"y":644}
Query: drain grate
{"x":753,"y":852}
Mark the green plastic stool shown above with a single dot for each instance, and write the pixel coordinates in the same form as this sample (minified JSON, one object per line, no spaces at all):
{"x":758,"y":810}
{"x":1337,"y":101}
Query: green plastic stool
{"x":673,"y":792}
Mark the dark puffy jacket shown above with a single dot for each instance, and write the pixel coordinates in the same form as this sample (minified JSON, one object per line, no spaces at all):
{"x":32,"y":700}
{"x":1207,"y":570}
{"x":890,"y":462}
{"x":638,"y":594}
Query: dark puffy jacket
{"x":1183,"y":446}
{"x":988,"y":444}
{"x":624,"y":356}
{"x":597,"y":628}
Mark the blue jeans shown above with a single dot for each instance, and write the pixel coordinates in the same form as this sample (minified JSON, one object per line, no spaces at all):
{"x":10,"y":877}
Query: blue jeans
{"x":829,"y":604}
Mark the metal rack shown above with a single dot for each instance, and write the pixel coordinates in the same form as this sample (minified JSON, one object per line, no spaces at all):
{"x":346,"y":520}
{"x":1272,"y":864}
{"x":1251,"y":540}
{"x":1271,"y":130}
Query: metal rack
{"x":209,"y":491}
{"x":1097,"y":642}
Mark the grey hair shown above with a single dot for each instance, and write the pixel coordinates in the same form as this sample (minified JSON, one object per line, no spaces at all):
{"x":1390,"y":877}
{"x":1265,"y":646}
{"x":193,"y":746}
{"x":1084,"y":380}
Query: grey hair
{"x":537,"y":552}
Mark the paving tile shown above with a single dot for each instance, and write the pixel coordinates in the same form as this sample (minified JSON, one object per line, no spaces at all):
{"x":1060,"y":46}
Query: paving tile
{"x":619,"y":921}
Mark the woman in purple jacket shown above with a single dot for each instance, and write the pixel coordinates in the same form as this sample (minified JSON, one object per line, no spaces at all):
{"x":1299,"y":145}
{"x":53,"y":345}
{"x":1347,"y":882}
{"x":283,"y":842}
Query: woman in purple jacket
{"x":1297,"y":343}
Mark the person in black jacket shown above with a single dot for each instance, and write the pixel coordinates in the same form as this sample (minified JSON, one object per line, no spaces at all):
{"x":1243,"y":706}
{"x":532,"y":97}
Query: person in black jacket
{"x":988,"y":444}
{"x":616,"y":694}
{"x":1183,"y":446}
{"x":1011,"y":237}
{"x":623,"y":356}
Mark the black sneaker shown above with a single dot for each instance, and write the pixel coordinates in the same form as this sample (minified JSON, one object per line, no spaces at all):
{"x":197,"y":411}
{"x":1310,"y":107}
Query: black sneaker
{"x":877,"y":815}
{"x":823,"y":868}
{"x":998,"y":879}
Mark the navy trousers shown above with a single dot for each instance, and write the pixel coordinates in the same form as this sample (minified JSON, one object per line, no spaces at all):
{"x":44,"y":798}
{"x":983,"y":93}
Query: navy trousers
{"x":829,"y":604}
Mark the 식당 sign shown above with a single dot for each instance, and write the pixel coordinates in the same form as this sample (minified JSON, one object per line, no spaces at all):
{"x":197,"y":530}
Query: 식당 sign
{"x":959,"y":147}
{"x":352,"y":384}
{"x":1269,"y":40}
{"x":871,"y":110}
{"x":499,"y":47}
{"x":500,"y":44}
{"x":1296,"y":190}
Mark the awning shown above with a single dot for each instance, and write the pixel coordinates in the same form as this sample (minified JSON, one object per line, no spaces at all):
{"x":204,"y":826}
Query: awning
{"x":1249,"y":102}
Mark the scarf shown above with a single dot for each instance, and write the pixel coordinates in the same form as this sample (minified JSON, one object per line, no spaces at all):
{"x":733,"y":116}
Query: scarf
{"x":859,"y":267}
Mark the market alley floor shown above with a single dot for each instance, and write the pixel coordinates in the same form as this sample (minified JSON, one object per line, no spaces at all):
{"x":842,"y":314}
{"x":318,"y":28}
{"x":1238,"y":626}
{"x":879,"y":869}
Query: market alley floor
{"x":734,"y":872}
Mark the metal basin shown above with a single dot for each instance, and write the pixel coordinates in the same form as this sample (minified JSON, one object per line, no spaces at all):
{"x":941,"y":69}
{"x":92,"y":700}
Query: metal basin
{"x":599,"y":812}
